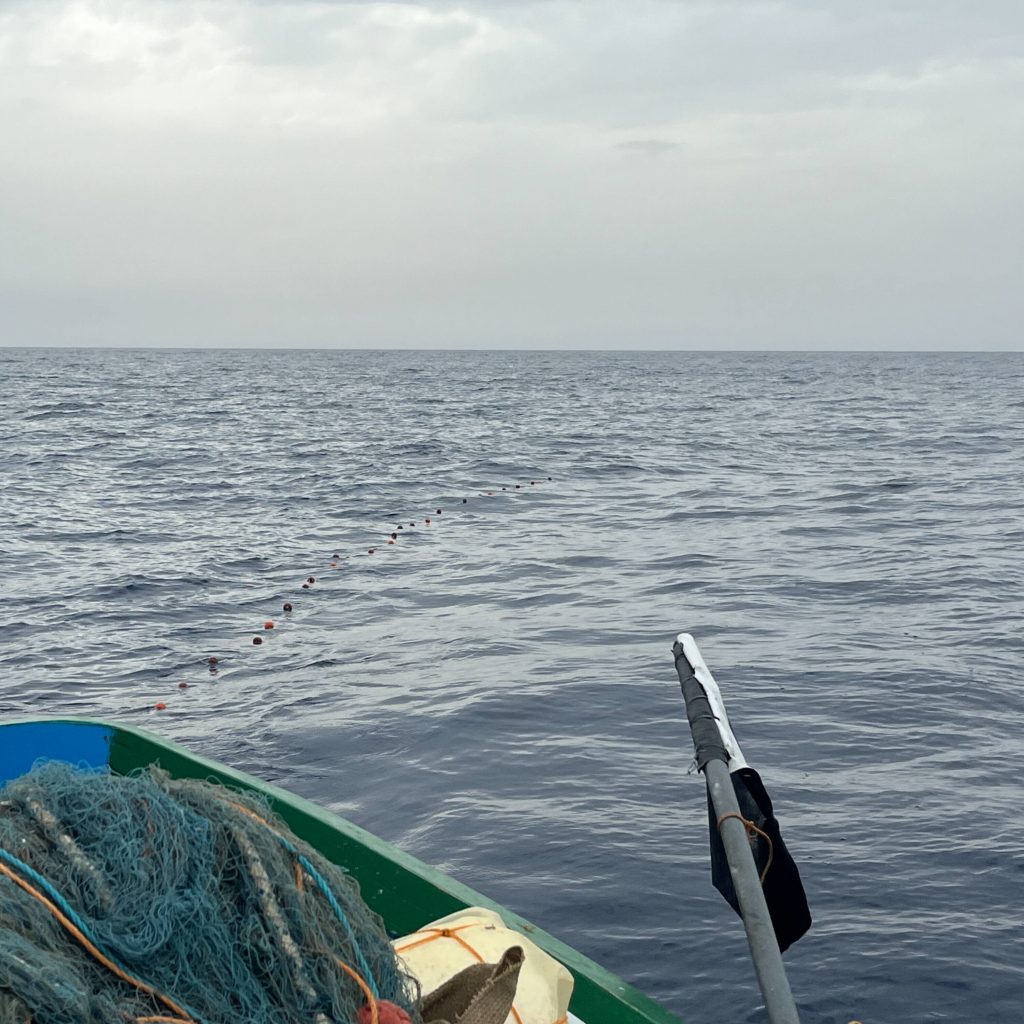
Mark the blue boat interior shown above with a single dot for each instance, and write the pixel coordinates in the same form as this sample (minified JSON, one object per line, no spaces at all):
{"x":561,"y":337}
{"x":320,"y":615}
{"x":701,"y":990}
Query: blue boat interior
{"x":84,"y":744}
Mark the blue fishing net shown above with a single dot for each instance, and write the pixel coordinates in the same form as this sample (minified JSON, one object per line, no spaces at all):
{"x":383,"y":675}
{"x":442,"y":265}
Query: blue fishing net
{"x":144,"y":899}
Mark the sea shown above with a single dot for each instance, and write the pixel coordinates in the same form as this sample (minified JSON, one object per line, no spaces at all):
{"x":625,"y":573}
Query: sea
{"x":494,"y":692}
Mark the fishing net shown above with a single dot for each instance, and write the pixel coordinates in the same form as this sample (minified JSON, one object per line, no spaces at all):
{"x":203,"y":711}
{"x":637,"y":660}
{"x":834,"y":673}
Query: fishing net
{"x":145,"y":899}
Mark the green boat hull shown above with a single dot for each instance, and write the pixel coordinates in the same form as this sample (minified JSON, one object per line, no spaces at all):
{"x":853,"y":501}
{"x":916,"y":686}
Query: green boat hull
{"x":404,"y":891}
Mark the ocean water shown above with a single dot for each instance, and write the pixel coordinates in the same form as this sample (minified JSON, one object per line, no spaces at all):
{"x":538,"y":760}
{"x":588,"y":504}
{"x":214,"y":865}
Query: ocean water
{"x":495,"y":693}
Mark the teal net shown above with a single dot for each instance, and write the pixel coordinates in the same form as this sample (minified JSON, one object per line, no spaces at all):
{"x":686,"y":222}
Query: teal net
{"x":145,"y":899}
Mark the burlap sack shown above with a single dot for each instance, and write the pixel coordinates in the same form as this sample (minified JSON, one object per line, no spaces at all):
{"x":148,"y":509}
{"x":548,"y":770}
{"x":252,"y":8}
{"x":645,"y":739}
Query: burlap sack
{"x":481,"y":994}
{"x":443,"y":948}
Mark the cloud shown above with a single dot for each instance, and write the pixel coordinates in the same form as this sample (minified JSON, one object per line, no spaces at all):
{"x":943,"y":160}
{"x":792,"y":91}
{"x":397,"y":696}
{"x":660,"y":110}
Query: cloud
{"x":649,"y":147}
{"x":469,"y":174}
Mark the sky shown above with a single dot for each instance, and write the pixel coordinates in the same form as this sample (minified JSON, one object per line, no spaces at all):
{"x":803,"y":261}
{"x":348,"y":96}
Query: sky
{"x":643,"y":174}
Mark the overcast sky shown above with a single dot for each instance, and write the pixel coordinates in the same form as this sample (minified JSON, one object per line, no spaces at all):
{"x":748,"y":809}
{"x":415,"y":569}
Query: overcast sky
{"x":634,"y":174}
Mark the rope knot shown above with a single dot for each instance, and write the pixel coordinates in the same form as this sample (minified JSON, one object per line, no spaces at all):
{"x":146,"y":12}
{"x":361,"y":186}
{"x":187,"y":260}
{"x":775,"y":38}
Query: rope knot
{"x":752,"y":833}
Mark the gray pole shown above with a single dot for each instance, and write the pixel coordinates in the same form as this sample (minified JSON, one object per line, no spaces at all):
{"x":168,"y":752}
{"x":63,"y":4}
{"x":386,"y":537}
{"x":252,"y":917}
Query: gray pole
{"x":713,"y":759}
{"x":764,"y":949}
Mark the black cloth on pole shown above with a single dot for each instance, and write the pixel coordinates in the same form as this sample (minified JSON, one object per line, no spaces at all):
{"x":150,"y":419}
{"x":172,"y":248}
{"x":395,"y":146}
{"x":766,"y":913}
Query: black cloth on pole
{"x":783,"y":890}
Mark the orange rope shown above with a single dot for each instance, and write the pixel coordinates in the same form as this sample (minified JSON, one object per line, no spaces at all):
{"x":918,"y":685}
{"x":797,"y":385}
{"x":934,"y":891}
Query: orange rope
{"x":434,"y":933}
{"x":752,"y":829}
{"x":252,"y":814}
{"x":465,"y":945}
{"x":353,"y":973}
{"x":76,"y":933}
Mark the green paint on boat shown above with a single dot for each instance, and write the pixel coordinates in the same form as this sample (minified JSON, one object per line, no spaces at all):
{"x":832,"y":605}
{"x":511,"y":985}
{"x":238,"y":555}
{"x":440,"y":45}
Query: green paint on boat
{"x":404,"y":891}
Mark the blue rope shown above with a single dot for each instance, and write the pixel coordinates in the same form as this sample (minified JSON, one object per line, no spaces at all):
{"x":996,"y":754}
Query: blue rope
{"x":44,"y":884}
{"x":325,"y":888}
{"x":71,"y":914}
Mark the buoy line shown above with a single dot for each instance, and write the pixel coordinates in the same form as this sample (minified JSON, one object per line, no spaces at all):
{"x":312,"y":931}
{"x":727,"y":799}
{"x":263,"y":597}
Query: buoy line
{"x":214,"y":662}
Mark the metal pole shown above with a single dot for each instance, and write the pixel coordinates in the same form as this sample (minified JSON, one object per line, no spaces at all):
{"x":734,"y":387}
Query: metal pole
{"x":764,"y":949}
{"x":713,"y":753}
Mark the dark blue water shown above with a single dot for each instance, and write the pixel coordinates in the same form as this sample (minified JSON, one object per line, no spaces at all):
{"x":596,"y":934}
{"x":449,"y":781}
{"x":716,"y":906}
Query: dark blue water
{"x":495,"y":693}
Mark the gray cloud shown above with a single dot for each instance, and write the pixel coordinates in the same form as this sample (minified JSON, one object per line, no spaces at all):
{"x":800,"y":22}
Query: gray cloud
{"x":293,"y":173}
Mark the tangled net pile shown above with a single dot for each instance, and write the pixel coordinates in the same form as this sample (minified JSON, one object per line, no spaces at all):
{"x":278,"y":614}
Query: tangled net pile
{"x":144,"y":899}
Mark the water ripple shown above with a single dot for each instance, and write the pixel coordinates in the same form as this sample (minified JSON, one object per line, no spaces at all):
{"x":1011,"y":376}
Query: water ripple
{"x":495,"y":692}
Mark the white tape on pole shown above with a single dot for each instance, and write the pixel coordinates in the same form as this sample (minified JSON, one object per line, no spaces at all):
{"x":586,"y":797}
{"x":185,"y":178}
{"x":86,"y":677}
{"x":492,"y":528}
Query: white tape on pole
{"x":707,"y":681}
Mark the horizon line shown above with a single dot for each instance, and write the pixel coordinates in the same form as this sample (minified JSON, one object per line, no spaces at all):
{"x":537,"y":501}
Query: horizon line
{"x":530,"y":349}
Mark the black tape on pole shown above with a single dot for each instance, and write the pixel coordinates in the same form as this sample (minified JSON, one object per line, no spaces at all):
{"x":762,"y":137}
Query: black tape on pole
{"x":707,"y":740}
